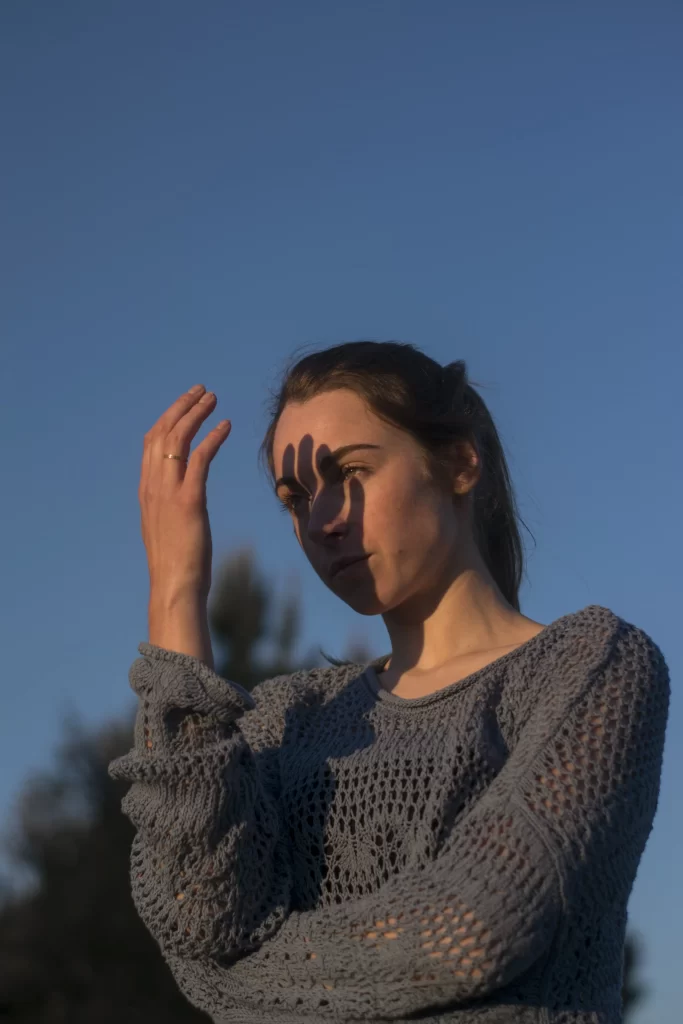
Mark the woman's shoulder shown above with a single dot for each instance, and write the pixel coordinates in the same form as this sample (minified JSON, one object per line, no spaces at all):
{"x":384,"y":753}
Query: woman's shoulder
{"x":598,"y":632}
{"x":582,"y":646}
{"x":592,"y":658}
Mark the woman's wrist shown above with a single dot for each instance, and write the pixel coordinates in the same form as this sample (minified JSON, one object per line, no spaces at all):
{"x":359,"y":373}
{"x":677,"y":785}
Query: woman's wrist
{"x":180,"y":622}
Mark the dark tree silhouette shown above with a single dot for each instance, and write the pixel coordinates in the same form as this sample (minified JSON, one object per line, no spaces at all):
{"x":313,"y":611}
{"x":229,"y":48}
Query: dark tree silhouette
{"x":241,"y":621}
{"x":633,"y":992}
{"x":72,"y":948}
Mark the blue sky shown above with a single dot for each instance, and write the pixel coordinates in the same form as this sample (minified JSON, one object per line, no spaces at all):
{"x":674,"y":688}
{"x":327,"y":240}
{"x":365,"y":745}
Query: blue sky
{"x":191,"y":191}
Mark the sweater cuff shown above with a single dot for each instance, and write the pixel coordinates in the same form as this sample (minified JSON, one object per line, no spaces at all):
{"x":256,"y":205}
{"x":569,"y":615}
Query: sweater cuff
{"x":219,"y":695}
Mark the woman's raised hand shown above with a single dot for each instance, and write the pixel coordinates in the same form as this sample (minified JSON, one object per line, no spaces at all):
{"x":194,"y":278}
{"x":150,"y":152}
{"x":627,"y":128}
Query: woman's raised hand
{"x":175,"y":521}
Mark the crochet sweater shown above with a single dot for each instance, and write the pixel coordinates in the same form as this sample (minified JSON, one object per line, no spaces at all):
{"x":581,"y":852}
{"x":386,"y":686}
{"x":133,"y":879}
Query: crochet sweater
{"x":321,"y":849}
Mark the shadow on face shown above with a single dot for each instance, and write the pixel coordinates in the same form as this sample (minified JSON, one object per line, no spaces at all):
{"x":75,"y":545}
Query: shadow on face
{"x":333,"y":526}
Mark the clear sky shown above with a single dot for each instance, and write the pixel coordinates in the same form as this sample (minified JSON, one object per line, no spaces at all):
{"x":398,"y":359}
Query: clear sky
{"x":192,"y":190}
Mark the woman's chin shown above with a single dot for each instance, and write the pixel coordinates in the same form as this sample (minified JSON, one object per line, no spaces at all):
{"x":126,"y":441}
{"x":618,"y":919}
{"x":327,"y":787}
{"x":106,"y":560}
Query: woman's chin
{"x":361,"y":604}
{"x":358,"y":588}
{"x":364,"y":598}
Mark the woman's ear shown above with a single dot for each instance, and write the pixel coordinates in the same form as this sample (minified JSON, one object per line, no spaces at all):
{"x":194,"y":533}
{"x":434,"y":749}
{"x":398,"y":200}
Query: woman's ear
{"x":468,"y":470}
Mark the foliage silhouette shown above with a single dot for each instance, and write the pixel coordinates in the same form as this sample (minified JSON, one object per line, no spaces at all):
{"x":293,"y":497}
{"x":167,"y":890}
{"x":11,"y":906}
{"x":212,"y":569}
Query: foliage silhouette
{"x":632,"y":992}
{"x":72,"y":948}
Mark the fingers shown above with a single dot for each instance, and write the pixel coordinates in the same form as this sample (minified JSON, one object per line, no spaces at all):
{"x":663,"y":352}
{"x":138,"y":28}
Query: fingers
{"x":160,"y":429}
{"x":197,"y":472}
{"x":173,"y":433}
{"x":180,"y":435}
{"x":175,"y":412}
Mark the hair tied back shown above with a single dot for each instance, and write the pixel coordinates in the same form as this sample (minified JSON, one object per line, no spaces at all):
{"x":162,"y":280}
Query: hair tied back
{"x":455,"y":387}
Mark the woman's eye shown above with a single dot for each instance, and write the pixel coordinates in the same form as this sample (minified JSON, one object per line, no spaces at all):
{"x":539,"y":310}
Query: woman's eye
{"x":349,"y":469}
{"x":290,"y":502}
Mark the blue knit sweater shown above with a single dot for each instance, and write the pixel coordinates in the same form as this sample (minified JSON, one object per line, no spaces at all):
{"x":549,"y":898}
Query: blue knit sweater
{"x":324,"y":850}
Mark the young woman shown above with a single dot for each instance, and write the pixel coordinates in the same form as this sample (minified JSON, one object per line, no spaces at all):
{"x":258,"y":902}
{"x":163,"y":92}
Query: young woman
{"x":449,"y":833}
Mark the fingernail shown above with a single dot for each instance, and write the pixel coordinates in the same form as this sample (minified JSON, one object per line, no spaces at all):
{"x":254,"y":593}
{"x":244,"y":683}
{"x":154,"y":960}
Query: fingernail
{"x":196,"y":389}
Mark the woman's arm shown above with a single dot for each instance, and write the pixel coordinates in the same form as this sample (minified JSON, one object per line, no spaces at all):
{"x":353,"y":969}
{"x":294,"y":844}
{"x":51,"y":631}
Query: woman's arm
{"x":210,"y":872}
{"x":178,"y":621}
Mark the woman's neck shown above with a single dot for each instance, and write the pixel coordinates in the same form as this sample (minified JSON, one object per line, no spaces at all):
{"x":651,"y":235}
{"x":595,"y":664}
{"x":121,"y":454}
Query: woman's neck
{"x":467,"y":617}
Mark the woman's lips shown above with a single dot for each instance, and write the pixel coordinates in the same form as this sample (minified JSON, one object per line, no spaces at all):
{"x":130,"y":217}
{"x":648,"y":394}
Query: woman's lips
{"x":350,"y":566}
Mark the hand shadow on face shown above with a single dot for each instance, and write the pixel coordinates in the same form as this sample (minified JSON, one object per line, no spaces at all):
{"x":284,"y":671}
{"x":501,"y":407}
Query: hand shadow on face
{"x":329,"y":535}
{"x":324,"y":534}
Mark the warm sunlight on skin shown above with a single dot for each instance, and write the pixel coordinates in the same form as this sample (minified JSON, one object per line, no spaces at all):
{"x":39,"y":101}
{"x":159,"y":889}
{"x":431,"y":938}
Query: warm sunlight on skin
{"x":424,"y":574}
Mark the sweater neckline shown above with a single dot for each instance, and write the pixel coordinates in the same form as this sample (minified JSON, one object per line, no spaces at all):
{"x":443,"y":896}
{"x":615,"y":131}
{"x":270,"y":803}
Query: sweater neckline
{"x":371,"y":677}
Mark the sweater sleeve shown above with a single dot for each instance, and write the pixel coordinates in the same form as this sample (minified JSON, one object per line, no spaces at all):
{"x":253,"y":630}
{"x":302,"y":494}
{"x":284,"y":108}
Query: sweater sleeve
{"x":569,"y":812}
{"x":210,"y":873}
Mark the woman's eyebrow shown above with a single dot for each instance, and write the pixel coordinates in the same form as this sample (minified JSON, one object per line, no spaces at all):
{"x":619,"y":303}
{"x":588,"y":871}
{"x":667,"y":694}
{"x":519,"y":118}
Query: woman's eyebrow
{"x":326,"y":462}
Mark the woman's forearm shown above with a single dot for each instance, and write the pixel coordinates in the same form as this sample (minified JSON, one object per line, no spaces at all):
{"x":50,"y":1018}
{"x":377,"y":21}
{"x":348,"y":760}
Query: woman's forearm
{"x":180,"y":622}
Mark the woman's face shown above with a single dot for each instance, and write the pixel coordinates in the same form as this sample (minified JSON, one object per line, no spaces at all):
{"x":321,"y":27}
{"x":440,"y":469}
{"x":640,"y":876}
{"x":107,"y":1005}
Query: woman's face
{"x":376,"y":502}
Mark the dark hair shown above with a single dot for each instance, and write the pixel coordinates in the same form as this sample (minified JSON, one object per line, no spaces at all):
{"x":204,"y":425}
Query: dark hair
{"x":439,"y":407}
